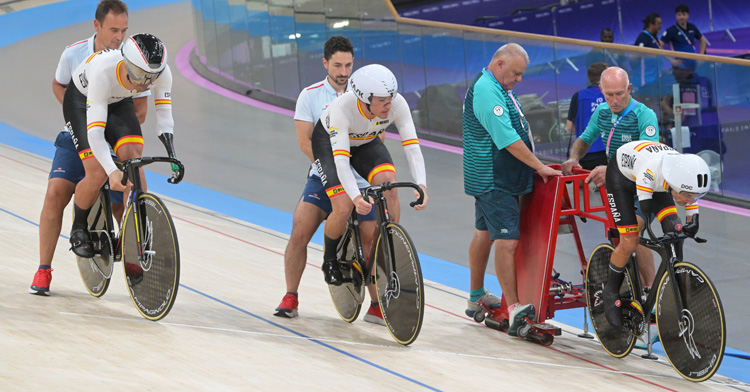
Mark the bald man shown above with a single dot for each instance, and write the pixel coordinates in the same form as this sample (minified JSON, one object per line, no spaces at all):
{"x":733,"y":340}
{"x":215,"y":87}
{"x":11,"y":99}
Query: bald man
{"x":621,"y":119}
{"x":499,"y":165}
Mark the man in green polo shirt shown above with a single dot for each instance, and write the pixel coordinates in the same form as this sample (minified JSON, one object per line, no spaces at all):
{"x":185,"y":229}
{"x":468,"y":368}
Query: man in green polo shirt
{"x":499,"y":163}
{"x":620,"y":120}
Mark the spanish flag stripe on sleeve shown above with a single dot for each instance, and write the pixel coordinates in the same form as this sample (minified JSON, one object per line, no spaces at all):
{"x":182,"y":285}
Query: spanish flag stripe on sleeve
{"x":96,"y":124}
{"x":386,"y":167}
{"x":666,"y":212}
{"x":342,"y":153}
{"x":643,"y":188}
{"x":628,"y":230}
{"x":409,"y":142}
{"x":86,"y":154}
{"x":644,"y":145}
{"x":335,"y":191}
{"x":693,"y":207}
{"x":163,"y":102}
{"x":128,"y":140}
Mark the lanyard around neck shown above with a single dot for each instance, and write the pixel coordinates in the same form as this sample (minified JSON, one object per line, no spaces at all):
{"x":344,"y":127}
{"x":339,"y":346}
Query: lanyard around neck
{"x":521,"y":119}
{"x":630,"y":107}
{"x":653,"y":37}
{"x":684,"y":34}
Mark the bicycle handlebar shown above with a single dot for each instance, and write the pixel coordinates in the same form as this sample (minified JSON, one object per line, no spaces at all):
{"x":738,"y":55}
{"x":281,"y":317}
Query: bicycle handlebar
{"x":668,"y":237}
{"x":135,"y":163}
{"x":387,"y":186}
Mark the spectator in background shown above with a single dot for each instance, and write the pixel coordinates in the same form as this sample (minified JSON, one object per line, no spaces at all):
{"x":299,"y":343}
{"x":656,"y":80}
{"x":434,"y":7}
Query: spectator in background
{"x":681,"y":37}
{"x":598,"y":55}
{"x":582,"y":105}
{"x":648,"y":38}
{"x":646,"y":68}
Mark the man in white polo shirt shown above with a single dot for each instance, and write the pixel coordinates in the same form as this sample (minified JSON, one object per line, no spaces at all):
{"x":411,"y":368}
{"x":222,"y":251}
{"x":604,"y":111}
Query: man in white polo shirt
{"x":110,"y":25}
{"x":314,"y":205}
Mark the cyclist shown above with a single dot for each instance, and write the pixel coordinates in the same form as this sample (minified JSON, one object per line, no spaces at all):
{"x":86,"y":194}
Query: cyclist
{"x":99,"y":113}
{"x":660,"y":177}
{"x":314,"y":205}
{"x":347,"y":134}
{"x":110,"y":24}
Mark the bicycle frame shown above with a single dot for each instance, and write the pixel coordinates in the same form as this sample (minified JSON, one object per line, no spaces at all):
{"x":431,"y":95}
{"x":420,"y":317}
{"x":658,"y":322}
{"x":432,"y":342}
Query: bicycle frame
{"x":668,"y":247}
{"x":131,"y":171}
{"x":381,"y":207}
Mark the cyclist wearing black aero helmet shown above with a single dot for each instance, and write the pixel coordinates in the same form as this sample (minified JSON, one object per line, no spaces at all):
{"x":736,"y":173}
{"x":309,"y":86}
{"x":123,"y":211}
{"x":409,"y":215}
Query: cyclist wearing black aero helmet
{"x":99,"y":113}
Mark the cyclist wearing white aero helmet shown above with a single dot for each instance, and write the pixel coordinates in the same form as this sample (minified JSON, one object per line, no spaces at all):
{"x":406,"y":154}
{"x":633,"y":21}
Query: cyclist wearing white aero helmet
{"x":347,"y":134}
{"x":99,"y":113}
{"x":659,"y":176}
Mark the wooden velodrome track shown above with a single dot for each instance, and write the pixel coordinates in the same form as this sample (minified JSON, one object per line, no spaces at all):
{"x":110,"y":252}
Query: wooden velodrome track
{"x":221,"y":335}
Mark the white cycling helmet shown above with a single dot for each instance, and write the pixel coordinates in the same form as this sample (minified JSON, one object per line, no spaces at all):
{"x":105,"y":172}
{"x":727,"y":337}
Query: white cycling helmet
{"x":686,"y":173}
{"x":145,"y":58}
{"x":373,"y":80}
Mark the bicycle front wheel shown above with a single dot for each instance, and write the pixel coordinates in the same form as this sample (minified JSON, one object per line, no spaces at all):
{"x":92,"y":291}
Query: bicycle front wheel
{"x":96,"y":272}
{"x":348,"y":297}
{"x":693,"y":337}
{"x":618,"y":342}
{"x":153,"y":276}
{"x":400,"y":285}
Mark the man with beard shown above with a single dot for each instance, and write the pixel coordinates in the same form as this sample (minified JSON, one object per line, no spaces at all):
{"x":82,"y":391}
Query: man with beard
{"x":314,"y":206}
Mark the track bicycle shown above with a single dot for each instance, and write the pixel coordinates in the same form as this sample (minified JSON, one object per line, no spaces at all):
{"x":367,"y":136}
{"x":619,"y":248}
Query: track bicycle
{"x":146,"y":242}
{"x":392,"y":264}
{"x":689,"y":315}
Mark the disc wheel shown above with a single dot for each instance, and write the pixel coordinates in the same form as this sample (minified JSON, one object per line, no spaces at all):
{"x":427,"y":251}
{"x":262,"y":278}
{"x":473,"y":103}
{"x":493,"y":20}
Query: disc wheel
{"x":618,"y":342}
{"x":347,"y":298}
{"x":154,"y":277}
{"x":96,"y":272}
{"x":400,"y":285}
{"x":693,"y":337}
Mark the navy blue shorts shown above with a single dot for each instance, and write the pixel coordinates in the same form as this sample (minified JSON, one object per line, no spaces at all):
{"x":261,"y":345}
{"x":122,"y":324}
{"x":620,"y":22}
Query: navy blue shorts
{"x":315,"y":194}
{"x":68,"y":166}
{"x":499,"y":213}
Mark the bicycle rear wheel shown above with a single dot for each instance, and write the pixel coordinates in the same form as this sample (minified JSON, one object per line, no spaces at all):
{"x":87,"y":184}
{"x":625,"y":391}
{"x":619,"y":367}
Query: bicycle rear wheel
{"x":154,"y":278}
{"x":400,"y":285}
{"x":347,"y":298}
{"x":693,"y":338}
{"x":96,"y":272}
{"x":618,"y":342}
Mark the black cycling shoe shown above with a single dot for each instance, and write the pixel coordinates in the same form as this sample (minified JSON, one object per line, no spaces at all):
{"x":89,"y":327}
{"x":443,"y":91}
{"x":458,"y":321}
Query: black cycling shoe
{"x":80,"y":243}
{"x":613,"y":309}
{"x":332,"y":273}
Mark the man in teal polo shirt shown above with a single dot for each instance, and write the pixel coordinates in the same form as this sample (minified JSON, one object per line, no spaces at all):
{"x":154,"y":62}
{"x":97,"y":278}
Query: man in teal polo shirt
{"x":620,"y":120}
{"x":499,"y":163}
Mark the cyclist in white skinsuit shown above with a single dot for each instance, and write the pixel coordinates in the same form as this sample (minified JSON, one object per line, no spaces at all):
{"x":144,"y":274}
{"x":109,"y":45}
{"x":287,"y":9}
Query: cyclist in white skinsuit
{"x":99,"y":113}
{"x":659,"y":176}
{"x":347,"y":134}
{"x":110,"y":25}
